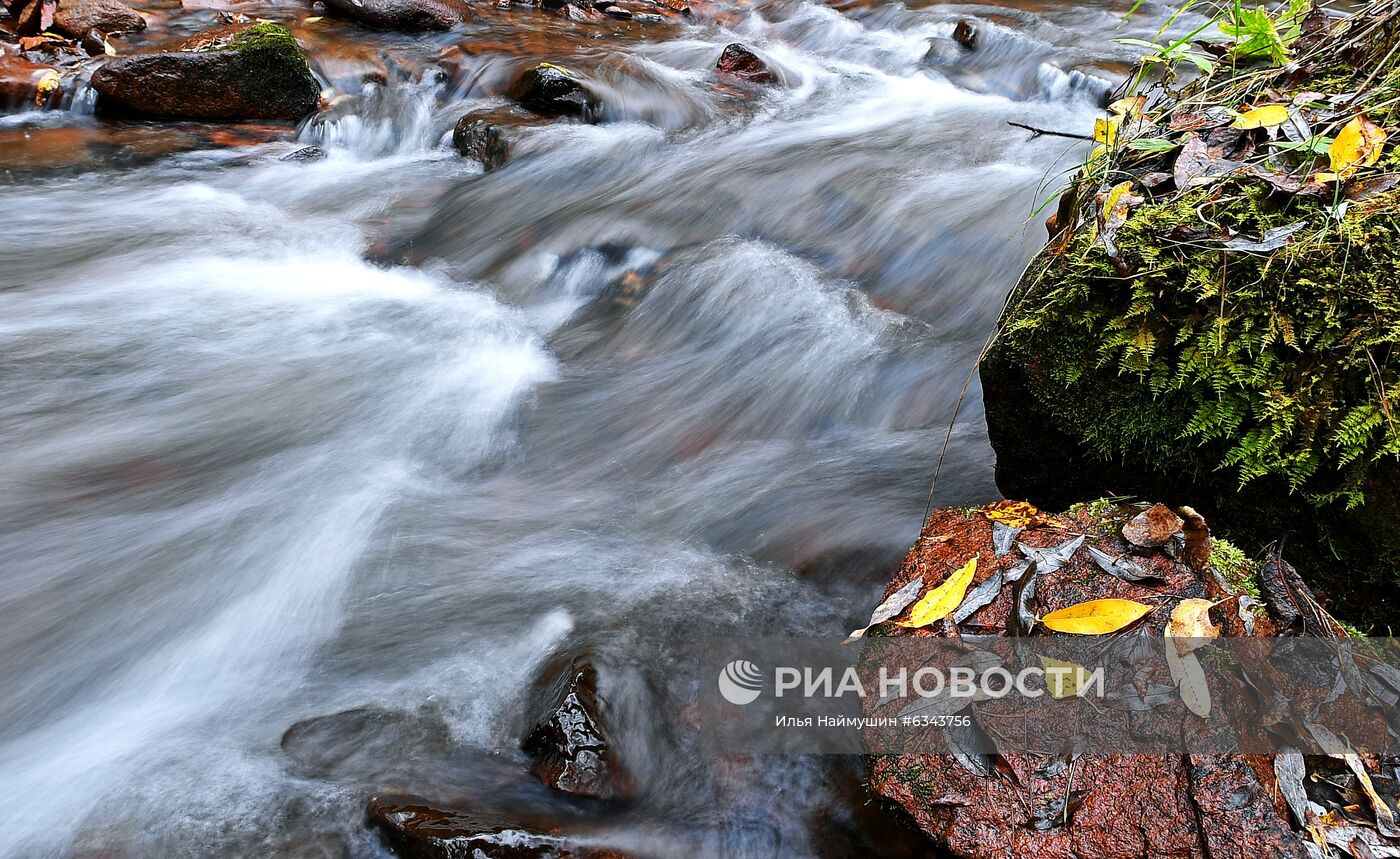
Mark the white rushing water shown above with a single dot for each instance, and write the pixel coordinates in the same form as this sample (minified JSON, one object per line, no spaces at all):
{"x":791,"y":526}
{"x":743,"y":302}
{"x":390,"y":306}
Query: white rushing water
{"x":249,"y":477}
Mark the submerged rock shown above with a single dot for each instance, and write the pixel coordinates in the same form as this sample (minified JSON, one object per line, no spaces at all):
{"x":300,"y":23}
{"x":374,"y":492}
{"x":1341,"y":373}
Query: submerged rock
{"x":965,"y":33}
{"x":569,"y":740}
{"x":416,"y":829}
{"x":482,"y":140}
{"x":554,"y":90}
{"x":77,"y":18}
{"x":252,"y":71}
{"x":743,"y":63}
{"x":411,"y":16}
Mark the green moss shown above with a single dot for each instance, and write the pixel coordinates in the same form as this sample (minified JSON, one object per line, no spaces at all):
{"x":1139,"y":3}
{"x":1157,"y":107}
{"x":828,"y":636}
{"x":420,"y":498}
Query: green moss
{"x":265,"y":36}
{"x":1234,"y":567}
{"x":1264,"y":364}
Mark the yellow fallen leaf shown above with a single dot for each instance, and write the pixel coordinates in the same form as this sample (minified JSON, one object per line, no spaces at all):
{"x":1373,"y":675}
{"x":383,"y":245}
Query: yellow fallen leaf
{"x":1131,"y":106}
{"x":48,"y":85}
{"x":1266,"y":116}
{"x":1064,"y":679}
{"x":1357,"y":145}
{"x":312,"y":20}
{"x":1106,"y":130}
{"x":1095,"y":617}
{"x":940,"y":602}
{"x":1013,"y":514}
{"x":1190,"y":623}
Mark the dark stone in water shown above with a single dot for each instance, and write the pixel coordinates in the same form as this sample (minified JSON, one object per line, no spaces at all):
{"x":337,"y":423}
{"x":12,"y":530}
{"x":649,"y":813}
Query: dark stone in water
{"x":965,"y":34}
{"x":554,"y":91}
{"x":306,"y":153}
{"x":741,"y":62}
{"x":243,"y":72}
{"x":482,"y":141}
{"x":354,"y":741}
{"x":76,"y":18}
{"x":409,"y":16}
{"x":416,"y":829}
{"x":570,"y":744}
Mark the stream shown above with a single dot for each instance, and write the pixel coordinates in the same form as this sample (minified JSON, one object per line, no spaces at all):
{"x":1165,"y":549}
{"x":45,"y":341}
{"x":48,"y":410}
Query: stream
{"x":286,"y":438}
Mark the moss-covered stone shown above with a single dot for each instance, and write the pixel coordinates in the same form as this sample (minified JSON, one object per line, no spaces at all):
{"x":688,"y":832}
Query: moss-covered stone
{"x":1259,"y":386}
{"x":252,"y":71}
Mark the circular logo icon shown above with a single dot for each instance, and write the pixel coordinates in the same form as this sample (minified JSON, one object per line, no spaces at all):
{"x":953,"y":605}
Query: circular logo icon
{"x":740,"y":682}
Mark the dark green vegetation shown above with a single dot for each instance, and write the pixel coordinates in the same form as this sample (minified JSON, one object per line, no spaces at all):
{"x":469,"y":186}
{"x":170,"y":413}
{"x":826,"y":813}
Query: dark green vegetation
{"x":1163,"y":345}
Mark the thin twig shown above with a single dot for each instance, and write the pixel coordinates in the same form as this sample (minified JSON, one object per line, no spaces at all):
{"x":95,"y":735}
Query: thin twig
{"x":1039,"y":131}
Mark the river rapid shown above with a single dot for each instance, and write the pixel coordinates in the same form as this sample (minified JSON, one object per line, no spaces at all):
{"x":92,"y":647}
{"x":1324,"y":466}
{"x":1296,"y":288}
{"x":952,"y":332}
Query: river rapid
{"x":284,"y":438}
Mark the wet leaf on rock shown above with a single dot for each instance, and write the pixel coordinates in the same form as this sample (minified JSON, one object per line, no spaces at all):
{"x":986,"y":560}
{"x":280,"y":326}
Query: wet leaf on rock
{"x":1015,"y":514}
{"x":1064,"y":679}
{"x":1264,"y":116}
{"x":1272,"y":239}
{"x":1190,"y":680}
{"x":1152,"y":527}
{"x":1095,"y":617}
{"x":1003,"y":537}
{"x":1114,"y":206}
{"x":1198,"y":164}
{"x":980,"y":596}
{"x":940,"y":602}
{"x":1129,"y":698}
{"x":1050,"y":560}
{"x":893,"y":605}
{"x":1290,"y":770}
{"x":1357,"y":145}
{"x":1121,"y":567}
{"x":1190,"y":625}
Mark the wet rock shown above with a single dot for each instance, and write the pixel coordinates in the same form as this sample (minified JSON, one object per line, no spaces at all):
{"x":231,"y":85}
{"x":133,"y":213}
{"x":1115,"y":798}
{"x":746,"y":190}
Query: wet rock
{"x":416,"y":829}
{"x":353,"y":741}
{"x":554,"y":91}
{"x":965,"y":34}
{"x":569,"y":741}
{"x":617,"y":12}
{"x":305,"y":154}
{"x":410,"y":16}
{"x":578,"y":13}
{"x":741,"y":62}
{"x":1120,"y":807}
{"x":77,"y":18}
{"x":241,"y":72}
{"x":27,"y":85}
{"x":483,"y":141}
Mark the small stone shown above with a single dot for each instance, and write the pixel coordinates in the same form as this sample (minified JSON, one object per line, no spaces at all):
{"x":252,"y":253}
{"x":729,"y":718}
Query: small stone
{"x":570,"y":743}
{"x":554,"y":91}
{"x":481,"y":141}
{"x":648,"y":18}
{"x":1152,"y":527}
{"x":965,"y":34}
{"x":305,"y":154}
{"x":743,"y":63}
{"x":76,"y":18}
{"x":409,"y":16}
{"x":617,"y":12}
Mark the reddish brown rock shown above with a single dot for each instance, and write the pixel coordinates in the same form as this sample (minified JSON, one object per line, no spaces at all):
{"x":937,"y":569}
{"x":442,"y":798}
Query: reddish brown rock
{"x":26,"y":85}
{"x":569,"y":741}
{"x":410,"y":16}
{"x":743,"y":63}
{"x":416,"y":829}
{"x":245,"y":72}
{"x":1092,"y":806}
{"x":77,"y":18}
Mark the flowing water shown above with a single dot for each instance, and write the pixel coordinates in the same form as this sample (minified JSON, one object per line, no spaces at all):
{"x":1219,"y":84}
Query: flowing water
{"x":685,"y":371}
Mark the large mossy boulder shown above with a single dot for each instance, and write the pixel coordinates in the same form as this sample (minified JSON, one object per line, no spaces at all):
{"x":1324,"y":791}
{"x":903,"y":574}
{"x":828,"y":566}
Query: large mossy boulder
{"x":1213,"y":325}
{"x":254,"y":71}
